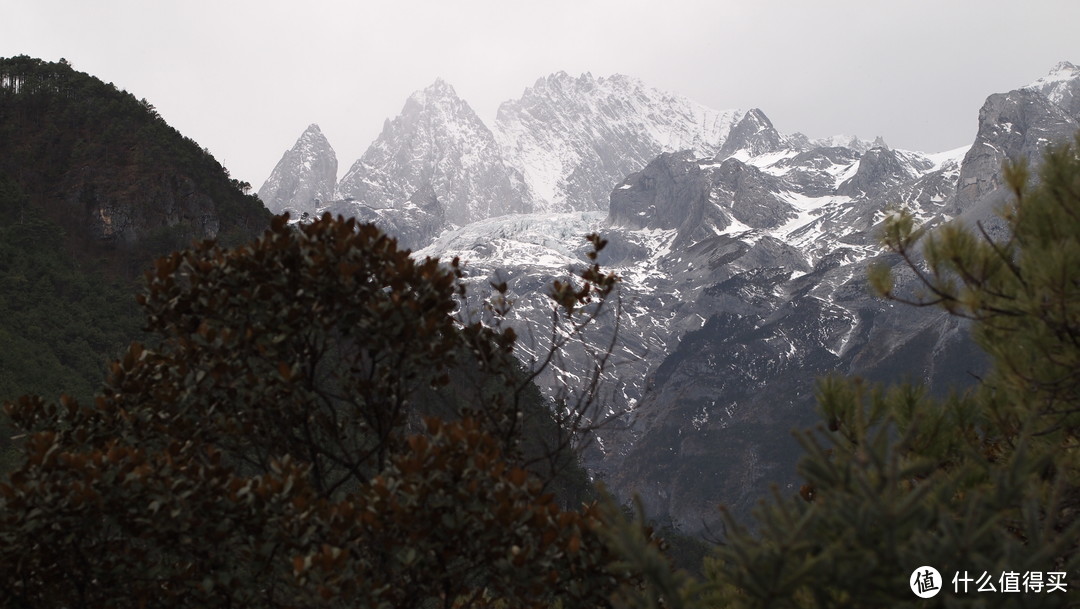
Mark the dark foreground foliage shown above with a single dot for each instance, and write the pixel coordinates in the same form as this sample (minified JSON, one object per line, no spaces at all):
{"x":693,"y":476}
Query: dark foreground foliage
{"x":278,"y":448}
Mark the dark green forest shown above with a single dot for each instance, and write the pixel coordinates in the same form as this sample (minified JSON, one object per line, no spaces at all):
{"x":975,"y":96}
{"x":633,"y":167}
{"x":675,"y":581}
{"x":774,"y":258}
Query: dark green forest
{"x":78,"y":160}
{"x":60,"y":319}
{"x":72,"y":151}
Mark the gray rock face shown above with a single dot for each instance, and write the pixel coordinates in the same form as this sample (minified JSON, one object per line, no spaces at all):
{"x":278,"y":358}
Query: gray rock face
{"x":166,"y":201}
{"x":305,"y":177}
{"x":1062,"y":87}
{"x":753,"y":196}
{"x":414,"y":224}
{"x":699,"y":198}
{"x":811,"y":171}
{"x":1015,"y":125}
{"x":1019,"y":125}
{"x":663,"y":195}
{"x":437,"y":143}
{"x":754,"y":134}
{"x":573,"y":139}
{"x":880,"y":169}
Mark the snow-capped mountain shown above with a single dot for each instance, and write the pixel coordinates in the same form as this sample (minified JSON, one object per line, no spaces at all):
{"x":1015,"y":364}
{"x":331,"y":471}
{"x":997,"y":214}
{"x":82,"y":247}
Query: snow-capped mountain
{"x":1019,"y":125}
{"x":574,"y":138}
{"x":437,"y":143}
{"x":785,"y":305}
{"x":744,"y":282}
{"x":1061,"y":86}
{"x":561,"y":146}
{"x":743,"y":254}
{"x":306,"y":176}
{"x":739,"y":289}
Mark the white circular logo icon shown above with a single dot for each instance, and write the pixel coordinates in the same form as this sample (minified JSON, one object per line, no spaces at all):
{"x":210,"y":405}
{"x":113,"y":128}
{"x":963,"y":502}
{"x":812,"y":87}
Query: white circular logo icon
{"x":925,"y":582}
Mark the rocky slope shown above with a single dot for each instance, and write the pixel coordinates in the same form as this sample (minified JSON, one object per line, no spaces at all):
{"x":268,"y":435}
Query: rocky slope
{"x":744,"y":282}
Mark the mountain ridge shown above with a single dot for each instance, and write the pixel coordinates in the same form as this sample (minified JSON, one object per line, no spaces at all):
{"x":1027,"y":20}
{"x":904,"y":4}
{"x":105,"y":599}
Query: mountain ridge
{"x":743,"y":266}
{"x":558,"y":145}
{"x":743,"y":283}
{"x":437,"y":141}
{"x":547,"y":169}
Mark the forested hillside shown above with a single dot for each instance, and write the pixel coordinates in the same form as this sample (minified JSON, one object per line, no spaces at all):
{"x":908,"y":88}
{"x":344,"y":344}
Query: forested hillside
{"x":59,"y":316}
{"x":93,"y":185}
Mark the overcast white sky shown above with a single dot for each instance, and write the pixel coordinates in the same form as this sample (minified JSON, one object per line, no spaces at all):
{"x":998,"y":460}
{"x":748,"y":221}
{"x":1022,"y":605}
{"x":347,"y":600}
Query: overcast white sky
{"x":245,"y":77}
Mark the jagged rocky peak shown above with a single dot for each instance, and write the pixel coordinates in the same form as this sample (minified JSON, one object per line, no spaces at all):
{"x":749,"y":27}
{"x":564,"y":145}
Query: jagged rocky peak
{"x":561,"y":83}
{"x":753,"y":135}
{"x":438,"y":92}
{"x":837,"y":141}
{"x":880,"y":169}
{"x":305,"y":177}
{"x":427,"y":202}
{"x":1019,"y":125}
{"x":574,"y":138}
{"x":1062,"y":87}
{"x":440,"y":143}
